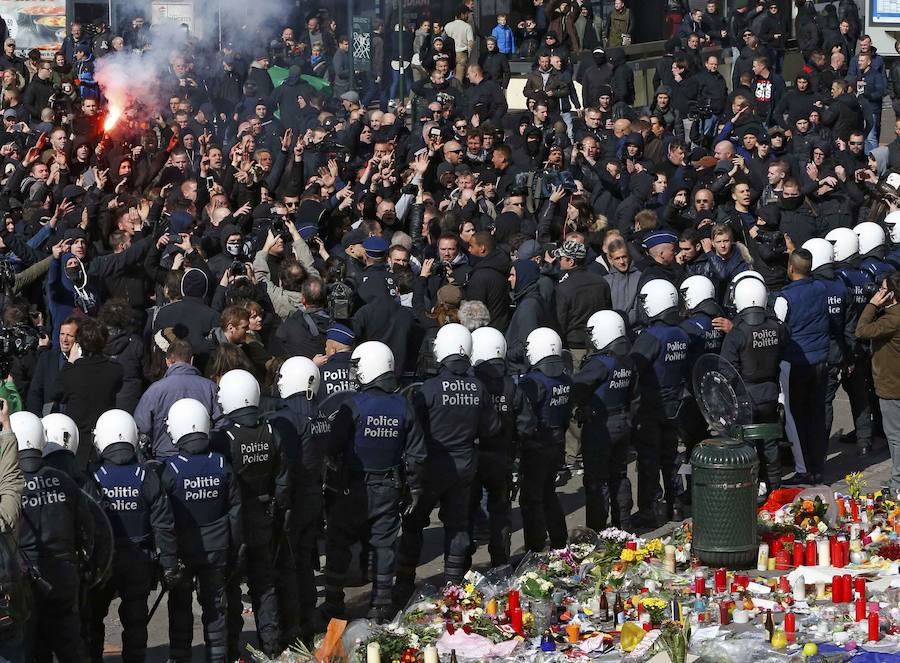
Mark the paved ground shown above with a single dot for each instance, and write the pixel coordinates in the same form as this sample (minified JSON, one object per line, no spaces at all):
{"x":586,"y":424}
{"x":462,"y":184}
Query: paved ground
{"x":841,"y":460}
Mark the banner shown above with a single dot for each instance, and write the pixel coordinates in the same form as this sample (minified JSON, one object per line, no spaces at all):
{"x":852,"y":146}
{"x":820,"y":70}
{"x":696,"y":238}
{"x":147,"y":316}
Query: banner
{"x":35,"y":24}
{"x":362,"y":43}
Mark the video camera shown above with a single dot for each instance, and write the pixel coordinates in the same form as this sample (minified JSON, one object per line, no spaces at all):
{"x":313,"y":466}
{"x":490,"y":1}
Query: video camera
{"x":700,"y":111}
{"x":16,"y":341}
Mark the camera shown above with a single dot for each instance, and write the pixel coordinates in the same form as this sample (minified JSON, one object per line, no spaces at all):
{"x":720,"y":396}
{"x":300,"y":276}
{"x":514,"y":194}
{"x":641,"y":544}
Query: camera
{"x":15,"y":342}
{"x":7,"y":276}
{"x":439,"y":270}
{"x":279,"y":228}
{"x":774,"y":239}
{"x":700,"y":111}
{"x":237,"y":269}
{"x":869,"y":290}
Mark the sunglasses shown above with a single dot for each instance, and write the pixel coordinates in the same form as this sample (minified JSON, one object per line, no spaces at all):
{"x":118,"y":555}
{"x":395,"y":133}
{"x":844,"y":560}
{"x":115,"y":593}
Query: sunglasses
{"x":856,"y":142}
{"x":454,"y":151}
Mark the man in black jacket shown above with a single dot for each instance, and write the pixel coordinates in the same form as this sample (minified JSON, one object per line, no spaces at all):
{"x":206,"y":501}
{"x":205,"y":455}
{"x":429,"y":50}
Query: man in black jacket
{"x":484,"y":97}
{"x":488,"y":280}
{"x":42,"y":387}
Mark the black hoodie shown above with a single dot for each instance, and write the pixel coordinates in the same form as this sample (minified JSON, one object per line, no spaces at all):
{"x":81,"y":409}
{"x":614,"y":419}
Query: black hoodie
{"x":488,"y":283}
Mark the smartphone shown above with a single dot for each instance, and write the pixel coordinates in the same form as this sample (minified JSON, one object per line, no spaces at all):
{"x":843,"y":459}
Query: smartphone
{"x":210,"y":182}
{"x":435,"y":132}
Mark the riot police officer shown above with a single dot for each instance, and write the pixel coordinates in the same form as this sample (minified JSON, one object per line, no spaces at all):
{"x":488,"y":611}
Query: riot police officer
{"x":380,"y":447}
{"x":456,"y":409}
{"x":303,"y":432}
{"x":61,"y":433}
{"x":857,"y":369}
{"x":206,"y":504}
{"x":547,"y":387}
{"x":871,"y":251}
{"x":839,"y":303}
{"x":892,"y":223}
{"x":138,"y":509}
{"x":603,"y":390}
{"x":496,"y":454}
{"x":255,"y":453}
{"x":754,"y":346}
{"x":802,"y":305}
{"x":660,"y":354}
{"x":335,"y":371}
{"x":55,"y":529}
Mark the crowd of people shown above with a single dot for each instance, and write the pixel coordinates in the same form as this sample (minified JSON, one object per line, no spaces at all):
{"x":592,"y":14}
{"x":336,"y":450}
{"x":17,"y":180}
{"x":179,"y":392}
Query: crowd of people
{"x":252,"y":309}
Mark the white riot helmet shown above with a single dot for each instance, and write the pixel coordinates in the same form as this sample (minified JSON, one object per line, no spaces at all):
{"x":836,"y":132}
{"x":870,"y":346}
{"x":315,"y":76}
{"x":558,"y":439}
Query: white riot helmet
{"x":605,"y":327}
{"x":748,"y":274}
{"x":187,"y":416}
{"x":821,"y":250}
{"x":871,"y":236}
{"x":656,"y":296}
{"x":749,"y":293}
{"x":893,"y":180}
{"x":238,"y":388}
{"x":892,"y":221}
{"x":61,"y":433}
{"x":487,"y":344}
{"x":541,"y":343}
{"x":28,"y":429}
{"x":695,"y":290}
{"x":371,"y":360}
{"x":845,"y":243}
{"x":116,"y":426}
{"x":452,"y":339}
{"x":298,"y":374}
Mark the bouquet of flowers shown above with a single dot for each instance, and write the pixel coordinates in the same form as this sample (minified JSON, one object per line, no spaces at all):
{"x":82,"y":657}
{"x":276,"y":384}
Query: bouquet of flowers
{"x":656,"y":608}
{"x":535,"y":586}
{"x":397,"y":643}
{"x":673,"y":639}
{"x":802,"y":516}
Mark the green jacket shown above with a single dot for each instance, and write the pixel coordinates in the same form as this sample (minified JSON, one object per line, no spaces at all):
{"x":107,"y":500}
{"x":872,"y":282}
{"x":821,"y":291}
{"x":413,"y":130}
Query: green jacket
{"x":10,"y":394}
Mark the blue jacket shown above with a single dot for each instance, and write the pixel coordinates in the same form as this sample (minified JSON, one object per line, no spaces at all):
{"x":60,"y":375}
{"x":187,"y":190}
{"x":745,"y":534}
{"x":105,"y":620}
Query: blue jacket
{"x":802,"y":306}
{"x":506,"y":39}
{"x":875,"y":89}
{"x":180,"y":381}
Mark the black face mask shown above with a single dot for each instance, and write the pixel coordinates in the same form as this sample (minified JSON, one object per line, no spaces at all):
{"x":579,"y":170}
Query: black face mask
{"x":76,"y":275}
{"x":791,"y":203}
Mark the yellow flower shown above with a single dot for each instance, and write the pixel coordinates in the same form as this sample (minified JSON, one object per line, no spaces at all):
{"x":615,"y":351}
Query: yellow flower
{"x":654,"y":545}
{"x":640,"y":553}
{"x":627,"y":555}
{"x":654,"y":603}
{"x":469,"y":588}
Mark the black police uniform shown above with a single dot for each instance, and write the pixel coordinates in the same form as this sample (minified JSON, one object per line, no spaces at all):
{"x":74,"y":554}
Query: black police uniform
{"x":64,"y":461}
{"x":378,"y":444}
{"x":547,"y":387}
{"x":55,"y":528}
{"x":206,"y":503}
{"x":704,"y":339}
{"x":141,"y":517}
{"x":496,"y":454}
{"x":838,"y":305}
{"x":254,"y":450}
{"x":335,"y":376}
{"x":604,"y":389}
{"x":660,"y":354}
{"x":806,"y":351}
{"x":874,"y":266}
{"x":303,"y":433}
{"x":754,"y":347}
{"x":857,"y":371}
{"x":455,"y":409}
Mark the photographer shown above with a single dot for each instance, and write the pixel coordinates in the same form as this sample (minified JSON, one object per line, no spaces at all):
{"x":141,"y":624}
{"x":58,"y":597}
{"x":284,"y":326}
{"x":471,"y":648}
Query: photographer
{"x":880,"y":323}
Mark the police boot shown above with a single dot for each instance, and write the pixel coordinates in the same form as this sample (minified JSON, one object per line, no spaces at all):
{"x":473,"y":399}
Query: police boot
{"x":216,"y":654}
{"x":645,"y":519}
{"x":333,"y":605}
{"x":455,"y":567}
{"x":597,"y":507}
{"x":381,"y":610}
{"x":404,"y":585}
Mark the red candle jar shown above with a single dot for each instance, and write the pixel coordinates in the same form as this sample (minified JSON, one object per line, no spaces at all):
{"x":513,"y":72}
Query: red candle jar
{"x":837,"y":589}
{"x":724,"y":617}
{"x":845,"y":550}
{"x":700,"y":582}
{"x":860,"y":586}
{"x":783,"y":560}
{"x":811,"y":553}
{"x":860,"y":609}
{"x":854,"y":510}
{"x":847,"y":588}
{"x":512,"y":602}
{"x":631,"y":545}
{"x":790,"y":623}
{"x":873,"y":626}
{"x":783,"y":584}
{"x":721,"y":577}
{"x":798,"y":553}
{"x":515,"y":619}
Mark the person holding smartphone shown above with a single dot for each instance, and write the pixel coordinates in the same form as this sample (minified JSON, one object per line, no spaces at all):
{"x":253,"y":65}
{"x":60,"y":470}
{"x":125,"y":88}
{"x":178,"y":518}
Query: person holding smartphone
{"x":880,"y":324}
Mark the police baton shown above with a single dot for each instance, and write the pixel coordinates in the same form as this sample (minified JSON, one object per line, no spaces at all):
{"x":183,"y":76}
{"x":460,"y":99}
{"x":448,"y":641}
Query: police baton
{"x":159,"y":598}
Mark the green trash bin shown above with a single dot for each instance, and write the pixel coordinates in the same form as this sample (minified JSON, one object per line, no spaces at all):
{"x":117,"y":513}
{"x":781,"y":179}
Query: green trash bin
{"x":724,"y":478}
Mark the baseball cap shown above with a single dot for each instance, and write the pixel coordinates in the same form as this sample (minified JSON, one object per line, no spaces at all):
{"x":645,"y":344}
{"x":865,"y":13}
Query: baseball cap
{"x":356,"y":236}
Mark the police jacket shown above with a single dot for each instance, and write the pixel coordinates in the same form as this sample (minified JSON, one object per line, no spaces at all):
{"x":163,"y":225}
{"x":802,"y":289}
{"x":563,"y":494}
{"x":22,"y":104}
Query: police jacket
{"x":134,"y":501}
{"x":548,"y":390}
{"x":205,"y":497}
{"x":802,"y":306}
{"x":255,"y":450}
{"x":660,"y":353}
{"x":856,"y":281}
{"x":55,"y":521}
{"x":704,"y":337}
{"x":455,"y":408}
{"x":335,"y":376}
{"x":754,"y":347}
{"x":605,"y":385}
{"x":839,"y":303}
{"x":874,"y":267}
{"x":376,"y":431}
{"x":302,"y":432}
{"x":509,"y":402}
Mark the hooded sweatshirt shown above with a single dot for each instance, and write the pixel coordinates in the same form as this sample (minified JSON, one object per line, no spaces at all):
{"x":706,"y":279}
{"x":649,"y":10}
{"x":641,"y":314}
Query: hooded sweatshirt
{"x":67,"y":296}
{"x":532,"y":311}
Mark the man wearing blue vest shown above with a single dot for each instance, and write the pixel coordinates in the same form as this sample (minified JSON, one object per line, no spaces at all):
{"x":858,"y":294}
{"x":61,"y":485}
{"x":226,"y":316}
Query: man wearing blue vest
{"x":857,"y":369}
{"x":660,"y":354}
{"x":604,"y":389}
{"x":455,"y":409}
{"x":802,"y":305}
{"x":206,"y":504}
{"x":548,"y":388}
{"x":303,"y":431}
{"x":142,"y":521}
{"x":377,"y":438}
